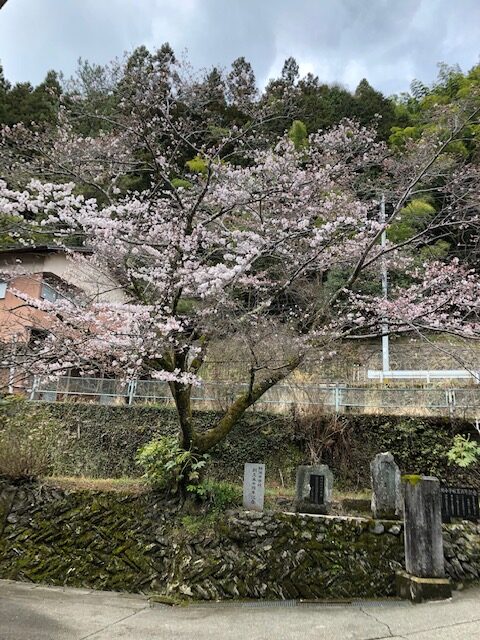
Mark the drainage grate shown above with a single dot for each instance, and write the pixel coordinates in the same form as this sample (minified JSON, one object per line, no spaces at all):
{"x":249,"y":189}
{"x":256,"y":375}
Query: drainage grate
{"x":324,"y":604}
{"x":270,"y":603}
{"x":355,"y":603}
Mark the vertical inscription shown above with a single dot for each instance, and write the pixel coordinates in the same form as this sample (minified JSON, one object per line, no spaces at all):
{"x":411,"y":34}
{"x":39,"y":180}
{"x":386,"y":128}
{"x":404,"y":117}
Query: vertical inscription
{"x":253,"y":486}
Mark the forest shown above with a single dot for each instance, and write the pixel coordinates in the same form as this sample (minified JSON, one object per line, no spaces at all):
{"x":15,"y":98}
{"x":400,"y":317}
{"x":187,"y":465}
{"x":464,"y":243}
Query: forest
{"x":303,"y":104}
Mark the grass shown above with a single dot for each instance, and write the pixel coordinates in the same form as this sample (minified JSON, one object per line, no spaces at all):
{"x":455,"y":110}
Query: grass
{"x":116,"y":485}
{"x":228,"y":494}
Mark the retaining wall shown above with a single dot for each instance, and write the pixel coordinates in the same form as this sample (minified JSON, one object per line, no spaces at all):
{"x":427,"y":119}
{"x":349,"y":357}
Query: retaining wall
{"x":143,"y":543}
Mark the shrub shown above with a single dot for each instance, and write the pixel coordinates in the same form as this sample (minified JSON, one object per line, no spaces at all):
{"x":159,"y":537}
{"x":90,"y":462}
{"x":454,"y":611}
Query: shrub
{"x":323,"y":437}
{"x":167,"y":466}
{"x":28,"y":439}
{"x":463,"y":452}
{"x":222,"y":495}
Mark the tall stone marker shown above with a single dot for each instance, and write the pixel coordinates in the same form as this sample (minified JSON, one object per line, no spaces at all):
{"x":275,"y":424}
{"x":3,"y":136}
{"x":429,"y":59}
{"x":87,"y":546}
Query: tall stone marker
{"x":314,"y":489}
{"x":387,"y":500}
{"x":253,"y":486}
{"x":424,"y":578}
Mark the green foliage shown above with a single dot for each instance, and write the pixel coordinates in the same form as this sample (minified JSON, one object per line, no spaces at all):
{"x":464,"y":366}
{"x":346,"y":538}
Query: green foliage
{"x":298,"y":134}
{"x":419,"y":445}
{"x":435,"y":251}
{"x":28,"y":439}
{"x":371,"y":105}
{"x":25,"y":103}
{"x":192,"y":525}
{"x":102,"y":441}
{"x":197,"y":165}
{"x":412,"y":219}
{"x":222,"y":495}
{"x":400,"y":135}
{"x":413,"y":110}
{"x":167,"y":465}
{"x":464,"y":452}
{"x":181,"y":183}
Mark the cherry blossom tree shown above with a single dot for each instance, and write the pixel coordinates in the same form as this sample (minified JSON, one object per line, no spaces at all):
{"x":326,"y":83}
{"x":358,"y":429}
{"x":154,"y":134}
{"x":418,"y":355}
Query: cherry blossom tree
{"x":217,"y":235}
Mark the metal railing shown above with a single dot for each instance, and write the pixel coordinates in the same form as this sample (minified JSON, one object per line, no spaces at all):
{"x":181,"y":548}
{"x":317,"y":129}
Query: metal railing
{"x":424,"y":374}
{"x":335,"y":397}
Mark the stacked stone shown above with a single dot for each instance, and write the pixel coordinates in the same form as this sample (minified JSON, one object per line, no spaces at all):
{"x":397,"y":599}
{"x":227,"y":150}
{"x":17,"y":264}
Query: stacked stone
{"x":461,"y":546}
{"x":142,"y":543}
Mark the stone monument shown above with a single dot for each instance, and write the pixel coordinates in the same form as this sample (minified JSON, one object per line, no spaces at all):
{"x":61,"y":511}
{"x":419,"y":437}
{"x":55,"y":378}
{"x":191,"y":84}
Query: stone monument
{"x":314,"y":489}
{"x":253,"y":486}
{"x":424,"y":578}
{"x":387,"y":501}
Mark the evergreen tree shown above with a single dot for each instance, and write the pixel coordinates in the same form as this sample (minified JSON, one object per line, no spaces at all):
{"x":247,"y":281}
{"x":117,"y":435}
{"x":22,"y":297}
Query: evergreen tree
{"x":241,"y":84}
{"x":4,"y":89}
{"x":370,"y":103}
{"x":290,"y":72}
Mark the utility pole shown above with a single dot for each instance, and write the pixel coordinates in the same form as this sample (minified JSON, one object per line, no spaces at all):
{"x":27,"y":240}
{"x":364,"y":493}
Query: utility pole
{"x":11,"y":371}
{"x":385,"y":344}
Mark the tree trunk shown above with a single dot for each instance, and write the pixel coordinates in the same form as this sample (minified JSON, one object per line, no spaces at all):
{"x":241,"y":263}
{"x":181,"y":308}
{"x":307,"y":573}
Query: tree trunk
{"x":203,"y":442}
{"x":182,"y":397}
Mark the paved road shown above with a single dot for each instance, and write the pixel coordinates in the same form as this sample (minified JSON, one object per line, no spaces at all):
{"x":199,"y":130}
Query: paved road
{"x":30,"y":612}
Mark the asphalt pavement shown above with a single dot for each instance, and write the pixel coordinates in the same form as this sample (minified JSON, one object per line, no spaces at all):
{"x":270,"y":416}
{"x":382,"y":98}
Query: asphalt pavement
{"x":33,"y":612}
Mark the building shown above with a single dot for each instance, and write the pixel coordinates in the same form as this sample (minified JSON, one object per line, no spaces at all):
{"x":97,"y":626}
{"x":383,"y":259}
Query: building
{"x":44,"y":272}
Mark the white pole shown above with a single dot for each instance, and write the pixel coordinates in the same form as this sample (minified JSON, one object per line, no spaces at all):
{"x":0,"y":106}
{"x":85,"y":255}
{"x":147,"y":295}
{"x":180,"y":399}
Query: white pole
{"x":11,"y":372}
{"x":385,"y":344}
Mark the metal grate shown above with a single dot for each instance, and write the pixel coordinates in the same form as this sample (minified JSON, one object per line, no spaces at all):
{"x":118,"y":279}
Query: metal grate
{"x":460,"y":503}
{"x":325,"y":604}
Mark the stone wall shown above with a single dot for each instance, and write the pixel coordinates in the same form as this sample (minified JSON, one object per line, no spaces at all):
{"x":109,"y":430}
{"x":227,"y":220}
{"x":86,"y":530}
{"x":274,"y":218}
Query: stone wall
{"x":461,"y":547}
{"x":143,"y":543}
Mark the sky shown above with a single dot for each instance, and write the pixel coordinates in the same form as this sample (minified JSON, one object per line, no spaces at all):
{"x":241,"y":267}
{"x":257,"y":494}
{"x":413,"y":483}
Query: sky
{"x":390,"y":42}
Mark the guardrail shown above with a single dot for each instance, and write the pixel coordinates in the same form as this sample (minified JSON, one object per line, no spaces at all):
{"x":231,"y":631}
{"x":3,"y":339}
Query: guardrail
{"x":421,"y":374}
{"x":336,"y":398}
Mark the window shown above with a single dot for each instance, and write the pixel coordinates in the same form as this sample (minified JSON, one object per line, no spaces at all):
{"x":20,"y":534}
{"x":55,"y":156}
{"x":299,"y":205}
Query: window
{"x":48,"y":293}
{"x":3,"y":289}
{"x":37,"y":336}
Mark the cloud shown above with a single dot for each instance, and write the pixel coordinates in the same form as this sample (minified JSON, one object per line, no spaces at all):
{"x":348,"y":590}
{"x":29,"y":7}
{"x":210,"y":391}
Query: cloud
{"x":388,"y":42}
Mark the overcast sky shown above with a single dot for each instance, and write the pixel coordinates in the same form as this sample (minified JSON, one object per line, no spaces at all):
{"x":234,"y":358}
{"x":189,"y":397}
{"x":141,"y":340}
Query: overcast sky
{"x":389,"y":42}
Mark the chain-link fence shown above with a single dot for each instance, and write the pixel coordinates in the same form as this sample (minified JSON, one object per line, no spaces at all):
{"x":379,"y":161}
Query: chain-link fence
{"x":280,"y":398}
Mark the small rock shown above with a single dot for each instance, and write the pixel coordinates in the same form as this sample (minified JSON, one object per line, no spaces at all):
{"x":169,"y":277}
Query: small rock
{"x":202,"y":593}
{"x":395,"y":530}
{"x":254,"y":515}
{"x":378,"y":529}
{"x":300,"y":555}
{"x":457,"y":567}
{"x":471,"y":570}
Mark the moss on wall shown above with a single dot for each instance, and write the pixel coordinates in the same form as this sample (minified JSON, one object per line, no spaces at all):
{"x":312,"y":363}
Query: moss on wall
{"x":141,"y":544}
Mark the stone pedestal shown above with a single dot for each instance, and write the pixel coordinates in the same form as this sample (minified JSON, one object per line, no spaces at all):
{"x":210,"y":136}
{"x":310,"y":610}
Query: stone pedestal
{"x":303,"y":499}
{"x":424,"y":563}
{"x":419,"y":590}
{"x":387,"y":502}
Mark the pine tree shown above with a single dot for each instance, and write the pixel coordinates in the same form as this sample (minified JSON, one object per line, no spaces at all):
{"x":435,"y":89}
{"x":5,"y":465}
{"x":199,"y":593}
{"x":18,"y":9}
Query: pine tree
{"x":290,"y":72}
{"x":241,"y":84}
